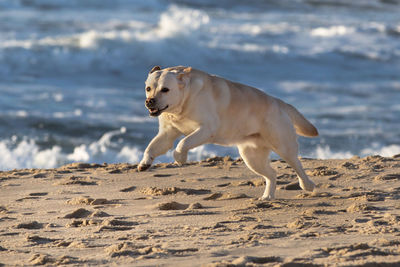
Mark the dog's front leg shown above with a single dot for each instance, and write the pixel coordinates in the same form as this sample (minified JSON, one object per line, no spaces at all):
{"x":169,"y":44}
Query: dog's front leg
{"x":196,"y":138}
{"x":160,"y":144}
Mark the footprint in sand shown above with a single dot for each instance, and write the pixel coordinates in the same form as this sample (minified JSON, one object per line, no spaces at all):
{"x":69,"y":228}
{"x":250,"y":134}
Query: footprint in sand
{"x":29,"y":225}
{"x":21,"y":173}
{"x":128,"y":189}
{"x":45,"y":259}
{"x":117,"y":222}
{"x":71,"y":244}
{"x":41,"y":259}
{"x":83,"y":213}
{"x":3,"y":210}
{"x":116,"y":225}
{"x":178,"y":206}
{"x":350,"y":166}
{"x":79,"y":213}
{"x":40,"y":175}
{"x":154,"y":191}
{"x":257,"y":182}
{"x":161,"y":175}
{"x":38,"y":239}
{"x":100,"y":213}
{"x":249,"y":260}
{"x":223,"y":185}
{"x":387,"y":177}
{"x":39,"y":194}
{"x":292,"y":186}
{"x":314,"y":212}
{"x":299,"y":223}
{"x":90,"y":201}
{"x":354,"y":251}
{"x":84,"y":222}
{"x":314,"y":194}
{"x":369,"y":196}
{"x":225,"y":196}
{"x":172,"y":206}
{"x":77,"y":180}
{"x":133,"y":250}
{"x":80,"y":165}
{"x":213,"y":196}
{"x":360,"y":207}
{"x":323,"y":171}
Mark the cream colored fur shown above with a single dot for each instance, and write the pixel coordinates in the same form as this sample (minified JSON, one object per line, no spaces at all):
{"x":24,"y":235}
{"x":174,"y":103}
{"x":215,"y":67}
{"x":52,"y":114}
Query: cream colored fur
{"x":209,"y":109}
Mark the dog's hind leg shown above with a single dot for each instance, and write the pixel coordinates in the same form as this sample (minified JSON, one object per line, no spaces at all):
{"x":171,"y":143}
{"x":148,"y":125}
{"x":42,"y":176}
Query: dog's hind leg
{"x":282,"y":138}
{"x":257,"y":159}
{"x":288,"y":151}
{"x":294,"y":162}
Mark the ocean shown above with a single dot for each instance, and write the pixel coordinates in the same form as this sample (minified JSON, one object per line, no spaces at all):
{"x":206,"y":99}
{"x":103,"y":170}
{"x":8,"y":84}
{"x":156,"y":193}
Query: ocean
{"x":72,"y":72}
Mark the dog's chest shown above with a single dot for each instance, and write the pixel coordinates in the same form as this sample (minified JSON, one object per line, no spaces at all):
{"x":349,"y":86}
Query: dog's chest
{"x":185,"y":126}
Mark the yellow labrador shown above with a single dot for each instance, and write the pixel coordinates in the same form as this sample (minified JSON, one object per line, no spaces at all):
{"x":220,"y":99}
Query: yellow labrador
{"x":209,"y":109}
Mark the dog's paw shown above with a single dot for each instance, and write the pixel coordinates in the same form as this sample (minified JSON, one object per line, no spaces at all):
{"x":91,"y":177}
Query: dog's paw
{"x":307,"y":185}
{"x":267,"y":197}
{"x":142,"y":167}
{"x":180,"y":157}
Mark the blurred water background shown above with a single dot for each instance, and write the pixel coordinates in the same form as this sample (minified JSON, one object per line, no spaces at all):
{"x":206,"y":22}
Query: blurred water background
{"x":72,"y":71}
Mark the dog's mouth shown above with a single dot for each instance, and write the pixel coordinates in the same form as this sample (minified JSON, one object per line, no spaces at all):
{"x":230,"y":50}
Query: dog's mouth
{"x":154,"y":112}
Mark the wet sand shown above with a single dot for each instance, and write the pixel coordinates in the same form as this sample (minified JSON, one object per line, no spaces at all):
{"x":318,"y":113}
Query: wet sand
{"x":202,"y":214}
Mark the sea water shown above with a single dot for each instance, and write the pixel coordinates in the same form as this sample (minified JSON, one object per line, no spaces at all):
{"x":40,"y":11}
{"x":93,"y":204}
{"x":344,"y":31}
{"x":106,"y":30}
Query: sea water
{"x":72,"y":72}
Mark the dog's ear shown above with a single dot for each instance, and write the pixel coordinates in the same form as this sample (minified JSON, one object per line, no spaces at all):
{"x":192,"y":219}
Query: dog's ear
{"x":184,"y":77}
{"x":184,"y":72}
{"x":155,"y":68}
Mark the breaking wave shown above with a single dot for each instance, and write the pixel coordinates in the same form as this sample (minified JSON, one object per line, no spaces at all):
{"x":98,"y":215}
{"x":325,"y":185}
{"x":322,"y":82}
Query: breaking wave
{"x":26,"y":153}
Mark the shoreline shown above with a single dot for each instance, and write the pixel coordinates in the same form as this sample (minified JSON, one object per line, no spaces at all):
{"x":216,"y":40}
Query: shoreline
{"x":202,"y":214}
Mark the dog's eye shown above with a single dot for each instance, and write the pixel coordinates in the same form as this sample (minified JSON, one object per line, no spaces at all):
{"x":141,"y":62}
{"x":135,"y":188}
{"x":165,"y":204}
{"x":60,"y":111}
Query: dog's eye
{"x":164,"y":90}
{"x":148,"y":89}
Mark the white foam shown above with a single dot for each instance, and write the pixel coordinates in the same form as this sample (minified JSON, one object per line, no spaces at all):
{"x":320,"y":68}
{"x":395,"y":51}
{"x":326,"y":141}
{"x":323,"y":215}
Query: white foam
{"x":102,"y":150}
{"x":175,"y":21}
{"x":85,"y":40}
{"x":251,"y":47}
{"x":110,"y":46}
{"x":130,"y":154}
{"x":325,"y":152}
{"x":332,"y":31}
{"x":48,"y":158}
{"x":178,"y":20}
{"x":21,"y":113}
{"x":26,"y":154}
{"x":265,"y":28}
{"x":80,"y":154}
{"x":385,"y":151}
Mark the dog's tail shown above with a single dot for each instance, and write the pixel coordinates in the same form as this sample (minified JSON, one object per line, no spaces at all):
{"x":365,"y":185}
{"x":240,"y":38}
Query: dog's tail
{"x":302,"y":125}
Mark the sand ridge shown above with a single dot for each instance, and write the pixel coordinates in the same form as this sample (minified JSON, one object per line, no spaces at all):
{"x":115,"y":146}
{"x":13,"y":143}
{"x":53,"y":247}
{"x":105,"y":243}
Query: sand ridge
{"x":202,"y":214}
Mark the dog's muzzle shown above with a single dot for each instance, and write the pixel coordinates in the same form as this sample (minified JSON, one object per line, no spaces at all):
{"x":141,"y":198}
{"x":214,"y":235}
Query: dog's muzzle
{"x":150,"y":102}
{"x":151,"y":106}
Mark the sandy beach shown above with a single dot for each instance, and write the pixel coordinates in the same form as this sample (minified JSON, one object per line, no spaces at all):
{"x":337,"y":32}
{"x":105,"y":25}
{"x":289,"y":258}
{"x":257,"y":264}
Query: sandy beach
{"x":202,"y":214}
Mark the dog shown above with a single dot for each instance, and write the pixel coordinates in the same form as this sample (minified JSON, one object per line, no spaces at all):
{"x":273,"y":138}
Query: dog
{"x":209,"y":109}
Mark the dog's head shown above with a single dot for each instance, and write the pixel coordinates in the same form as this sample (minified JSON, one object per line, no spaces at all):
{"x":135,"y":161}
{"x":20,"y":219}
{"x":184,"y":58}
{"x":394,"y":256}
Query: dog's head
{"x":164,"y":89}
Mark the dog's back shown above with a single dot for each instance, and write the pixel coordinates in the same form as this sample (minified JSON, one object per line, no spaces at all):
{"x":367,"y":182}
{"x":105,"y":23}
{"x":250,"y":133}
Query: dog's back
{"x":243,"y":102}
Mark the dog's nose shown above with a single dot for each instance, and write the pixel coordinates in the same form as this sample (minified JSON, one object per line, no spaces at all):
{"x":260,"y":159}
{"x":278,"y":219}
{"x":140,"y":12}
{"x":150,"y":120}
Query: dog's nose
{"x":150,"y":102}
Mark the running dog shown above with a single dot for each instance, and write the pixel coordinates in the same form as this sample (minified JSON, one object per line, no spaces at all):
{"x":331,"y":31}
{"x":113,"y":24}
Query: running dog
{"x":209,"y":109}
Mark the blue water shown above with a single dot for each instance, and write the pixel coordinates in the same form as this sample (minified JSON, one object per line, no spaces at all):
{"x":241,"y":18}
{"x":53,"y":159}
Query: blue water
{"x":72,"y":71}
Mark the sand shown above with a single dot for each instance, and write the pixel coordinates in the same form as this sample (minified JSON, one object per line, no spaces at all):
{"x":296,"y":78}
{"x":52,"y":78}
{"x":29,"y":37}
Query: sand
{"x":202,"y":214}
